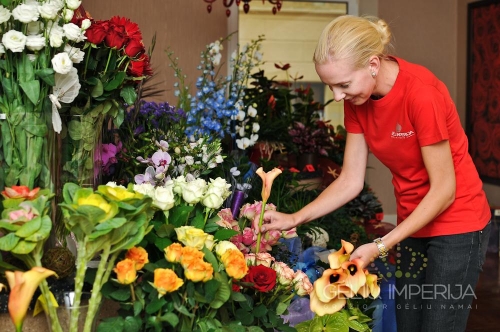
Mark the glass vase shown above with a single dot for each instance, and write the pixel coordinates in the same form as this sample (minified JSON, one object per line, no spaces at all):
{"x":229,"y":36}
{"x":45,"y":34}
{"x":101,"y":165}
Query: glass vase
{"x":67,"y":308}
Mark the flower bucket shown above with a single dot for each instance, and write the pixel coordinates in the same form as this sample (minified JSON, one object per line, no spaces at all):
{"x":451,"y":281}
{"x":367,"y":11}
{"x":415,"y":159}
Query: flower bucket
{"x":67,"y":308}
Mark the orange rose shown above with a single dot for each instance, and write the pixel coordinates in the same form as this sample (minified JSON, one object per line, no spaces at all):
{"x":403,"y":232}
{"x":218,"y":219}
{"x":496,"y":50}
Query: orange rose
{"x":125,"y":271}
{"x":139,"y":255}
{"x":173,"y":252}
{"x":199,"y":270}
{"x":166,"y":281}
{"x":231,"y":254}
{"x":236,"y":267}
{"x":189,"y":255}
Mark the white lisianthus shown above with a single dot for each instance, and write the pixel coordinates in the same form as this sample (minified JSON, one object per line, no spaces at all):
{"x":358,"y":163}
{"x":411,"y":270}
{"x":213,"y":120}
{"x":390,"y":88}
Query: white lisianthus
{"x":61,"y":63}
{"x":67,"y":14}
{"x":73,"y":4}
{"x":145,"y":188}
{"x":4,"y":14}
{"x":75,"y":54}
{"x":86,"y":23}
{"x":255,"y":127}
{"x":14,"y":41}
{"x":34,"y":28}
{"x":164,"y":198}
{"x":56,"y":34}
{"x":35,"y":42}
{"x":73,"y":32}
{"x":189,"y":160}
{"x":252,"y":111}
{"x":194,"y":190}
{"x":26,"y":13}
{"x":49,"y":10}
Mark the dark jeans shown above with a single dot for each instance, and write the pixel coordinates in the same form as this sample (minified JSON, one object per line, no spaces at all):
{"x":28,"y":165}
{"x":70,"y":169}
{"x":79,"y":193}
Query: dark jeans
{"x":435,"y":280}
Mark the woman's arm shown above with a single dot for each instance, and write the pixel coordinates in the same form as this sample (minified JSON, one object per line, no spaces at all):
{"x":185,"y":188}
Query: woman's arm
{"x":347,"y":186}
{"x":439,"y":165}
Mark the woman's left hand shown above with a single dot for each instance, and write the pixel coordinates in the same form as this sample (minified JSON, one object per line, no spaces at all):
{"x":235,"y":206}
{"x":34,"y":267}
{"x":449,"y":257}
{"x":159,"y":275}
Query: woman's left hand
{"x":367,"y":253}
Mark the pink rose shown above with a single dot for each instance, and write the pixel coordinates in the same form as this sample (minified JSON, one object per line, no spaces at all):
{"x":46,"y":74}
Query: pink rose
{"x":302,"y":284}
{"x":291,"y":233}
{"x":285,"y":273}
{"x":263,"y":258}
{"x":249,"y":236}
{"x":272,"y":237}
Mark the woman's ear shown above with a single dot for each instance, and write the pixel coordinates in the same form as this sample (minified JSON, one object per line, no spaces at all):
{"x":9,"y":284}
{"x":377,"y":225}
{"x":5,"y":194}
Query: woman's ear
{"x":374,"y":64}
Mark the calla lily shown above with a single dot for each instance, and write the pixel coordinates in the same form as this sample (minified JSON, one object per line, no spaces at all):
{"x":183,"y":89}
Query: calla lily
{"x":267,"y":181}
{"x":355,"y":274}
{"x":22,"y":287}
{"x":326,"y":308}
{"x":370,"y":287}
{"x":331,"y":285}
{"x":340,"y":256}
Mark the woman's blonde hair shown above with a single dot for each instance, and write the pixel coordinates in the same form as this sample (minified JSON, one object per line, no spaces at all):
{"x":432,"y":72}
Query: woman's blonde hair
{"x":355,"y":38}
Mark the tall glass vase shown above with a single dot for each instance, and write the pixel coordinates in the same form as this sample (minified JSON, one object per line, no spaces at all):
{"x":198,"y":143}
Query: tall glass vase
{"x":67,"y":308}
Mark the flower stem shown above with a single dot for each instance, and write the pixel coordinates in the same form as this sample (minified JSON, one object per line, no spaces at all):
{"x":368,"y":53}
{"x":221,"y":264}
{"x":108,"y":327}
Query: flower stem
{"x":261,"y":218}
{"x":81,"y":267}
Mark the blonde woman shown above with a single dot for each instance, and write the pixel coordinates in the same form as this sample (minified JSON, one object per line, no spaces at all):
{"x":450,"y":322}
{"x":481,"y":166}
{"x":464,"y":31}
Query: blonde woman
{"x":405,"y":116}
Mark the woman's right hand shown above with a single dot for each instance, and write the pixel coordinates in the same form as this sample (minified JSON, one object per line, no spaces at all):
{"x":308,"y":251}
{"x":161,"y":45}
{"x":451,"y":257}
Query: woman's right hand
{"x":274,"y":220}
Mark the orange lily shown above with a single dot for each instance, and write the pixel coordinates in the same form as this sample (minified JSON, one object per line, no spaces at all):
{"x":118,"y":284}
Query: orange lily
{"x":331,"y":285}
{"x":340,"y":256}
{"x":267,"y":181}
{"x":324,"y":308}
{"x":22,"y":287}
{"x":355,"y":274}
{"x":370,"y":287}
{"x":20,"y":192}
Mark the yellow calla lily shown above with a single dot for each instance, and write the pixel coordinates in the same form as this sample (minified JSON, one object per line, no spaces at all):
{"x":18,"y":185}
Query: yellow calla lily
{"x":355,"y":274}
{"x":332,"y":284}
{"x":22,"y":287}
{"x":371,"y":287}
{"x":326,"y":308}
{"x":267,"y":181}
{"x":340,"y":256}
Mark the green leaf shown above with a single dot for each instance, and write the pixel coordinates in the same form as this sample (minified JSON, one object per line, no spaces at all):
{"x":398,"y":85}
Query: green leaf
{"x":238,"y":297}
{"x":170,"y":318}
{"x":179,"y":215}
{"x":115,"y":82}
{"x":47,"y":75}
{"x":121,"y":294}
{"x":224,"y":234}
{"x":281,"y":308}
{"x":106,"y":227}
{"x":29,"y":227}
{"x":8,"y":226}
{"x":260,"y":310}
{"x":128,"y":94}
{"x":132,"y":324}
{"x":97,"y":90}
{"x":223,"y":293}
{"x":43,"y":232}
{"x":210,"y":257}
{"x":8,"y":242}
{"x":113,"y":324}
{"x":155,"y":305}
{"x":23,"y":247}
{"x":138,"y":307}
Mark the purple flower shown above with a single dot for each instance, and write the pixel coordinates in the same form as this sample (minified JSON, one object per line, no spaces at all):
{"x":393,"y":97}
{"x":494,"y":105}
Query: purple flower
{"x":161,"y":158}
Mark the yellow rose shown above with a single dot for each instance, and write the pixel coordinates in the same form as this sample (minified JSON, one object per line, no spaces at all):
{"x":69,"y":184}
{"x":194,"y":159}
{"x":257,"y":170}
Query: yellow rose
{"x":223,"y":246}
{"x":236,"y":266}
{"x":173,"y":252}
{"x":189,"y":255}
{"x":125,"y":271}
{"x":139,"y":255}
{"x":191,"y":236}
{"x":231,"y":253}
{"x":209,"y":242}
{"x":166,"y":281}
{"x":199,"y":270}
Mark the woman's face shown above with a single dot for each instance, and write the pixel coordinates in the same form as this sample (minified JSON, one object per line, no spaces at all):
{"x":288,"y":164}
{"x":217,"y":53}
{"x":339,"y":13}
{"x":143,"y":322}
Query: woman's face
{"x":349,"y":84}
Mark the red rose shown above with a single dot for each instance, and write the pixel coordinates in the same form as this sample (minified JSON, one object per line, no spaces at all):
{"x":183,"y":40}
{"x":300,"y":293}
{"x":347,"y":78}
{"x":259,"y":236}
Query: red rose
{"x":134,"y":48}
{"x":140,"y":67}
{"x":262,"y":277}
{"x":97,"y":32}
{"x":116,"y":36}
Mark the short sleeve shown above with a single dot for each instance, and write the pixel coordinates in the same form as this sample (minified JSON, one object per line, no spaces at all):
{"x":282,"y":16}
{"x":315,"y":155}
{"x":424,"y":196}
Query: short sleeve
{"x":351,"y":122}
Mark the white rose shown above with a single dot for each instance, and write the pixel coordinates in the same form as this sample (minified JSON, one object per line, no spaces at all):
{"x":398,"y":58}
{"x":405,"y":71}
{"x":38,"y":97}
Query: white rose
{"x":220,"y":187}
{"x":86,"y":23}
{"x":194,"y":190}
{"x":35,"y":42}
{"x":212,"y":201}
{"x":164,"y":198}
{"x":61,"y":63}
{"x":49,"y":10}
{"x":56,"y":35}
{"x":145,"y":188}
{"x":179,"y":184}
{"x":14,"y":40}
{"x":252,"y":111}
{"x":75,"y":54}
{"x":73,"y":32}
{"x":4,"y":14}
{"x":26,"y":13}
{"x":73,"y":4}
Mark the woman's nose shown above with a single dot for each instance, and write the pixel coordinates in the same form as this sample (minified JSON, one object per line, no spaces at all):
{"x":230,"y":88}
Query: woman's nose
{"x":338,"y":95}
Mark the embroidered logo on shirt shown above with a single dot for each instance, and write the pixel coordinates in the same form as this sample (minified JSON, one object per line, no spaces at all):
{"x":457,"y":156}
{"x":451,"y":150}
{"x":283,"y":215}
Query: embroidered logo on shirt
{"x":399,"y":134}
